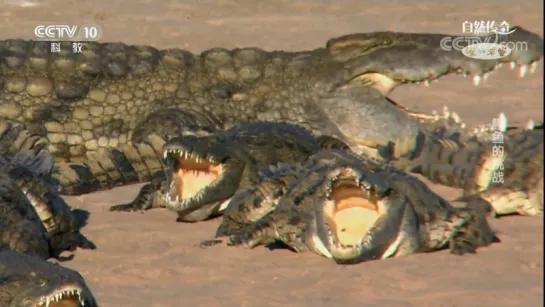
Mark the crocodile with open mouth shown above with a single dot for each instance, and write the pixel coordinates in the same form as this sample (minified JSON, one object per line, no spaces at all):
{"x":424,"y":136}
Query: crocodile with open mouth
{"x":112,"y":94}
{"x":500,"y":171}
{"x":29,"y":281}
{"x":204,"y":172}
{"x":352,"y":209}
{"x":34,"y":218}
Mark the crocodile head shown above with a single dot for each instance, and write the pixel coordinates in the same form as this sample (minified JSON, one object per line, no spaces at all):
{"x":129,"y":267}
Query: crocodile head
{"x":359,"y":71}
{"x":201,"y":175}
{"x":350,"y":203}
{"x":29,"y":281}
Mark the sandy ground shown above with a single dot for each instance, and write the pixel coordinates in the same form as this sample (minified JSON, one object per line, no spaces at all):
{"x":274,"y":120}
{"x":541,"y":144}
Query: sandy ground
{"x":150,"y":260}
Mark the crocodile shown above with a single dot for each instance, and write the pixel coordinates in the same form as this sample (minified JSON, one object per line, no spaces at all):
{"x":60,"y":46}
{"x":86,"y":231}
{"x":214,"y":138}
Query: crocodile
{"x":112,"y":94}
{"x":204,"y":172}
{"x":34,"y":218}
{"x":500,"y":172}
{"x":29,"y":281}
{"x":351,"y":210}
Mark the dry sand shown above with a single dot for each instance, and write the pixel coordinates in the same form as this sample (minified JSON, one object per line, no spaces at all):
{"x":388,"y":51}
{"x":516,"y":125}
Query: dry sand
{"x":150,"y":260}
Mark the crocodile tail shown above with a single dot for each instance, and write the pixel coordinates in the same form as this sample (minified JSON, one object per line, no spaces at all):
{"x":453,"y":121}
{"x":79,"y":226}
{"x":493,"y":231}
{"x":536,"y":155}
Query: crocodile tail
{"x":460,"y":167}
{"x":125,"y":164}
{"x":15,"y":138}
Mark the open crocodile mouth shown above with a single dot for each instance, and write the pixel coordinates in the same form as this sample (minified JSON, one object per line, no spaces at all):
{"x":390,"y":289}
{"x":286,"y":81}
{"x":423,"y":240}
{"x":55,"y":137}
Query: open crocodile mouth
{"x":192,"y":175}
{"x":64,"y":297}
{"x":351,"y":210}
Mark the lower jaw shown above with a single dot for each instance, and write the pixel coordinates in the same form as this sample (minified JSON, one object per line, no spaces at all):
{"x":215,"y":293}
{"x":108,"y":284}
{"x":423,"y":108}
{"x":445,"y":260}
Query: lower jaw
{"x":181,"y":204}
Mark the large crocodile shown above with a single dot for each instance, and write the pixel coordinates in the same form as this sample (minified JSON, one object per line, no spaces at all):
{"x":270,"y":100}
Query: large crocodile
{"x":113,"y":94}
{"x":34,"y":219}
{"x":205,"y":171}
{"x":500,"y":171}
{"x":352,"y":209}
{"x":28,"y":281}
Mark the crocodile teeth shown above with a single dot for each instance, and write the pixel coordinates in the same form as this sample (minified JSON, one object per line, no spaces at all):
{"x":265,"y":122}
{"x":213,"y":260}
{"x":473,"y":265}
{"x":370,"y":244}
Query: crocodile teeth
{"x":512,"y":65}
{"x":320,"y":246}
{"x":502,"y":122}
{"x":530,"y":125}
{"x":476,"y":80}
{"x":533,"y":67}
{"x":498,"y":66}
{"x":427,"y":83}
{"x":446,"y":112}
{"x":485,"y":76}
{"x":456,"y":118}
{"x":523,"y":70}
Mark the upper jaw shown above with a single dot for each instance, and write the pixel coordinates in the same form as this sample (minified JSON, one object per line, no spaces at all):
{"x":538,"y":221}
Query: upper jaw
{"x":385,"y":60}
{"x":42,"y":297}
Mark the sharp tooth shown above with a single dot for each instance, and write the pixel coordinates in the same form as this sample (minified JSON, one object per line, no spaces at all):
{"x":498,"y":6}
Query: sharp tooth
{"x":485,"y":76}
{"x":476,"y":80}
{"x":502,"y":122}
{"x":465,"y":75}
{"x":456,"y":117}
{"x":165,"y":154}
{"x":427,"y":83}
{"x":47,"y":302}
{"x":224,"y":205}
{"x":498,"y":66}
{"x":530,"y":125}
{"x":533,"y":67}
{"x":320,"y":247}
{"x":512,"y":65}
{"x":523,"y":70}
{"x":446,"y":112}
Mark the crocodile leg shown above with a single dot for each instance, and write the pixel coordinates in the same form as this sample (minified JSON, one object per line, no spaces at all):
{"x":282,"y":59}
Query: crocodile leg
{"x":509,"y":199}
{"x":148,"y":197}
{"x":509,"y":183}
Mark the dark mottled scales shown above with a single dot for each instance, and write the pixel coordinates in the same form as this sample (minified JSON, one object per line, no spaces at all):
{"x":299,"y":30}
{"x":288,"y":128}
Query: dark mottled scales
{"x":31,"y":281}
{"x":411,"y":218}
{"x":472,"y":169}
{"x":34,"y":218}
{"x":108,"y":95}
